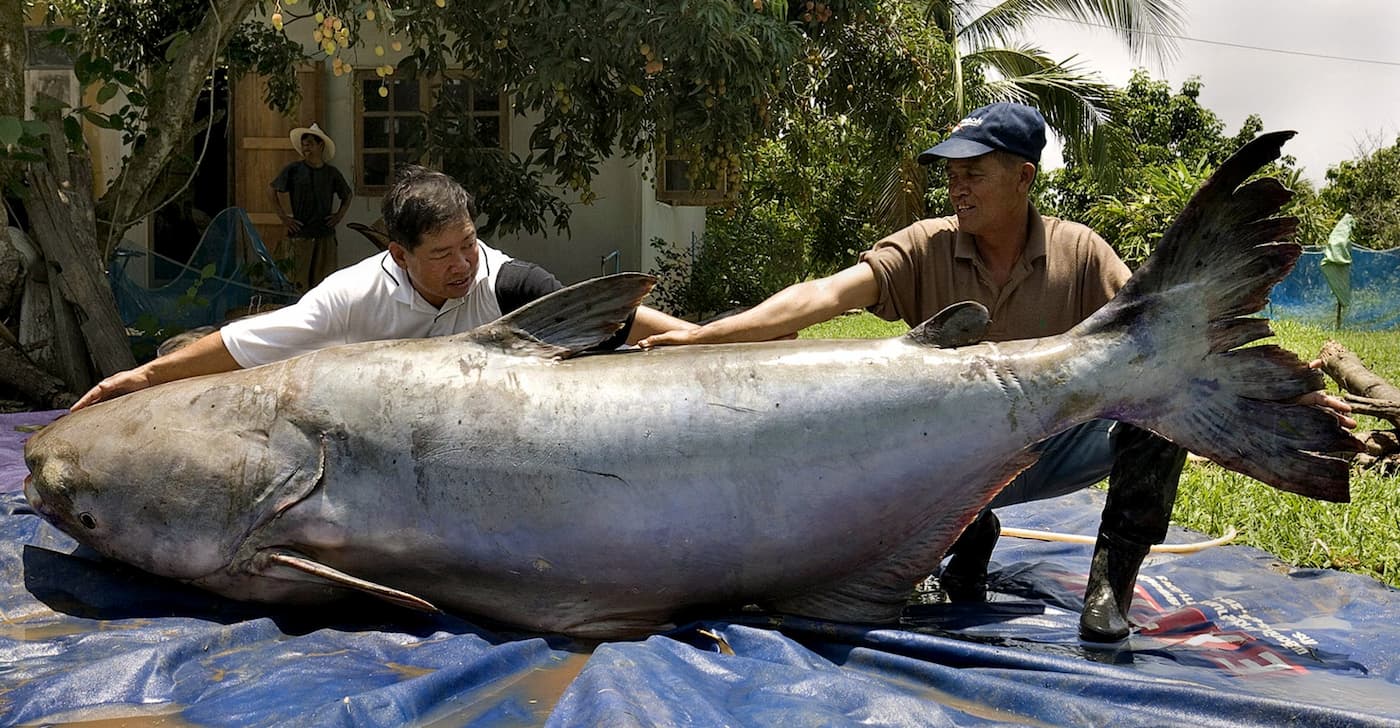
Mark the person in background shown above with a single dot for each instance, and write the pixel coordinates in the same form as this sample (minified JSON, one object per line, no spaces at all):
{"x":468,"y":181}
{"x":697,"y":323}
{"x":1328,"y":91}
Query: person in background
{"x":303,"y":194}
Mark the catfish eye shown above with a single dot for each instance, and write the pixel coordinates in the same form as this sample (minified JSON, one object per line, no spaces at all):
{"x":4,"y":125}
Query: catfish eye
{"x":87,"y":520}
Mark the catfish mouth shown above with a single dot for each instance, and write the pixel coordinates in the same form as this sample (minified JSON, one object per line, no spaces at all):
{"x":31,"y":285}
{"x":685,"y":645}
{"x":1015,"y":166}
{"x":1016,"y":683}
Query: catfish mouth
{"x":31,"y":494}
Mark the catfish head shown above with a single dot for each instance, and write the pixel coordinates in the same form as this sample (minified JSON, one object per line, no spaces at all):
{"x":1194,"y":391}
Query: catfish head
{"x":172,"y":479}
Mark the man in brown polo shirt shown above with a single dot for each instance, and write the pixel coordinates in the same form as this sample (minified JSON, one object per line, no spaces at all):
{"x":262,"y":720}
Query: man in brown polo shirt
{"x":1037,"y":276}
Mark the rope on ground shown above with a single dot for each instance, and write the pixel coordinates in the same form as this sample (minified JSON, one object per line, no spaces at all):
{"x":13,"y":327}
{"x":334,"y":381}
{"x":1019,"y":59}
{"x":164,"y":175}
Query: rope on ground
{"x":1161,"y":548}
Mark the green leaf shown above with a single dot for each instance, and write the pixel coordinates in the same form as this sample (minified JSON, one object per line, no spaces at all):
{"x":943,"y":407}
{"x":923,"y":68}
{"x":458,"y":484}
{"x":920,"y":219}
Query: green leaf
{"x":207,"y":271}
{"x":10,"y":130}
{"x":35,"y":128}
{"x":82,"y":68}
{"x":104,"y":121}
{"x":634,"y":88}
{"x":73,"y":130}
{"x":102,"y":67}
{"x":125,"y":78}
{"x":106,"y":93}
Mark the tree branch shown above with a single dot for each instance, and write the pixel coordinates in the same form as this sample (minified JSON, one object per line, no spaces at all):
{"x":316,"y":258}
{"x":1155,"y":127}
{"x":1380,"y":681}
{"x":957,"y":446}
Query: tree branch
{"x":174,"y":95}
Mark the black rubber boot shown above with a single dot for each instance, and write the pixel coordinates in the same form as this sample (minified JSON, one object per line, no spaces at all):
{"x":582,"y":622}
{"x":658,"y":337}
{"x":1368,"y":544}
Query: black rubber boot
{"x":1109,"y":594}
{"x":1141,"y":492}
{"x":964,"y":579}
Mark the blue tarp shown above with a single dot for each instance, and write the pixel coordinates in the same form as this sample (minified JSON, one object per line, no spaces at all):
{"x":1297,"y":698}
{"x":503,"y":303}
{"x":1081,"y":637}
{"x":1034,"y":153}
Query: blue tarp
{"x":1231,"y":637}
{"x":1304,"y":295}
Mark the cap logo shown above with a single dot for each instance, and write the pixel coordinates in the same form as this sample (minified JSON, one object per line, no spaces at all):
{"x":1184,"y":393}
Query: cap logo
{"x":969,"y":121}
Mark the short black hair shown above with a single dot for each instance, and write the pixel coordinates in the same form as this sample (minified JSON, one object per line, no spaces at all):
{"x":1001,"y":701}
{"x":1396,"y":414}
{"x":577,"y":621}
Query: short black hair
{"x":422,"y":201}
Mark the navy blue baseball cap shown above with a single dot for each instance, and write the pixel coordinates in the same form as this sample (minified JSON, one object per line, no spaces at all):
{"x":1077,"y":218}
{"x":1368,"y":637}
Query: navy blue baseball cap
{"x":1003,"y":126}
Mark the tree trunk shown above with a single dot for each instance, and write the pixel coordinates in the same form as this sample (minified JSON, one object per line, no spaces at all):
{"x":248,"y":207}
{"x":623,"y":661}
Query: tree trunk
{"x":60,"y":208}
{"x":14,"y":47}
{"x":36,"y":310}
{"x":36,"y":385}
{"x":12,"y":270}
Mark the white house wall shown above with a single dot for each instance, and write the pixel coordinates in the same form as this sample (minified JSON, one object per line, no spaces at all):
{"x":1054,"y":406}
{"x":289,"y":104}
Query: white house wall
{"x":622,"y":220}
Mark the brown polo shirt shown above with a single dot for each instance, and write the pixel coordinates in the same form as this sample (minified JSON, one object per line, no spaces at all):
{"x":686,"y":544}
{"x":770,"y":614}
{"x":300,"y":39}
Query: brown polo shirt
{"x":1066,"y":273}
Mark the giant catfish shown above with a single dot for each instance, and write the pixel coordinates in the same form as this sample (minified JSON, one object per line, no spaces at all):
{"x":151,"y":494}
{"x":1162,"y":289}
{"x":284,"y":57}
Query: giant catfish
{"x":494,"y":473}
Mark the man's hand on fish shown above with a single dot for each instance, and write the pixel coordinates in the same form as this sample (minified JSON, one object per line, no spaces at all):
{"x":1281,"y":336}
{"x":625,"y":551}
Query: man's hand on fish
{"x":207,"y":355}
{"x":1322,"y":399}
{"x":120,"y":383}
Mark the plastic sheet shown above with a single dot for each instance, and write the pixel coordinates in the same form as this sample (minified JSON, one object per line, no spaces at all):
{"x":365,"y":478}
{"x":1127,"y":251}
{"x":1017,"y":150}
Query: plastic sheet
{"x":1230,"y":637}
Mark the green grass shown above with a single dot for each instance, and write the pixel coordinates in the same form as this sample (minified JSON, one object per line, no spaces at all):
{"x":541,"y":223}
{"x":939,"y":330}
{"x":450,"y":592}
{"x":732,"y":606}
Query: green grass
{"x":851,"y":325}
{"x":1362,"y":536}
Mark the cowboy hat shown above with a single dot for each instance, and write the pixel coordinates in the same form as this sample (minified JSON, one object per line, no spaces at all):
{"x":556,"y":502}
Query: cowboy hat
{"x":298,"y":132}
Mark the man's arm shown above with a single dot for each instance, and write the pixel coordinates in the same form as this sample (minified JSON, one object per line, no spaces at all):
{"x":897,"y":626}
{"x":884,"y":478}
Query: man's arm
{"x":785,"y":312}
{"x":346,"y":194}
{"x":649,"y":321}
{"x":208,"y":355}
{"x":282,"y":201}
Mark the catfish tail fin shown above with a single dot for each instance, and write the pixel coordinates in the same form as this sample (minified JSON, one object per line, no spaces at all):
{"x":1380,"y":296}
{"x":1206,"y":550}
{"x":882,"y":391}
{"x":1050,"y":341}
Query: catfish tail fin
{"x":1190,"y":305}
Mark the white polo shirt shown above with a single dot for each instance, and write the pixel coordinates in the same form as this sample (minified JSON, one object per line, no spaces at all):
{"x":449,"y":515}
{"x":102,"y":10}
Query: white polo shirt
{"x":369,"y":301}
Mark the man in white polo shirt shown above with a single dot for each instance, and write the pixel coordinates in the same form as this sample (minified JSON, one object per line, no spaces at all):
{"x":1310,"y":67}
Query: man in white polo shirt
{"x":435,"y":279}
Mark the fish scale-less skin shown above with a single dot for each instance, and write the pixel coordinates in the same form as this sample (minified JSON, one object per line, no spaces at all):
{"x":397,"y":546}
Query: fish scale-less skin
{"x":594,"y":495}
{"x":646,"y":481}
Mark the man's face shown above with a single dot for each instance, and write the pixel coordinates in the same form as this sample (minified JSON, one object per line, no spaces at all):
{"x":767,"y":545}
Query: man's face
{"x":312,"y":148}
{"x":444,"y":264}
{"x":988,"y":191}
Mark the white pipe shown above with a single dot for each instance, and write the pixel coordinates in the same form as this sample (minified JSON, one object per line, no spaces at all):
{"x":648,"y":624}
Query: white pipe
{"x":1161,"y":548}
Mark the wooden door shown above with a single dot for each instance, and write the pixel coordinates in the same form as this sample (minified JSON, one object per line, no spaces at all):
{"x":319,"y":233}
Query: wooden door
{"x":261,"y":147}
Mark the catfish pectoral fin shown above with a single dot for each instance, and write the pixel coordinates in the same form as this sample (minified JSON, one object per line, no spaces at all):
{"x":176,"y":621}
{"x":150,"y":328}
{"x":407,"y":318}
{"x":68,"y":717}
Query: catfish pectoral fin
{"x":340,"y":578}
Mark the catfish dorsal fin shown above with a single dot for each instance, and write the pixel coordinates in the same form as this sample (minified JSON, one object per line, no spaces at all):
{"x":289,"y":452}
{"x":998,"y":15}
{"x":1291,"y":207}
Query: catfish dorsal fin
{"x":570,"y":320}
{"x":957,"y":325}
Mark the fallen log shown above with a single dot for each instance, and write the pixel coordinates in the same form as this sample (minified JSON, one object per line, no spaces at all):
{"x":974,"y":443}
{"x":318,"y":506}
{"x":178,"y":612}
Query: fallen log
{"x":1367,"y":392}
{"x":1386,"y":409}
{"x":1351,"y":374}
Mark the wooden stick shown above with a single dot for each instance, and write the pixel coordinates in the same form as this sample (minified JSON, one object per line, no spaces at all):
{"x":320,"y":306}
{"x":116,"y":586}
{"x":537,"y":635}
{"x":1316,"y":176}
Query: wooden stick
{"x":1387,"y":409}
{"x":1346,"y":368}
{"x":1368,"y":393}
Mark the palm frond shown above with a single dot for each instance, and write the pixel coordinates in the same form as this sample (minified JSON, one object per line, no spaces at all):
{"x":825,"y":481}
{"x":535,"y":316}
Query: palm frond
{"x":1076,"y":104}
{"x":898,"y":195}
{"x":1142,"y":25}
